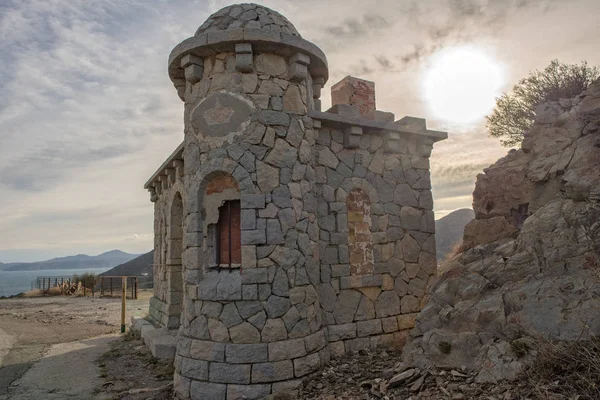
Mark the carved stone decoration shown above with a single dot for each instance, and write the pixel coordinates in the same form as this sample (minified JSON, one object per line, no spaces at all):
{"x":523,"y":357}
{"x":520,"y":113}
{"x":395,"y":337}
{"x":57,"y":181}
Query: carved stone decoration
{"x":193,"y":67}
{"x":352,"y":136}
{"x":221,"y":114}
{"x":298,"y":70}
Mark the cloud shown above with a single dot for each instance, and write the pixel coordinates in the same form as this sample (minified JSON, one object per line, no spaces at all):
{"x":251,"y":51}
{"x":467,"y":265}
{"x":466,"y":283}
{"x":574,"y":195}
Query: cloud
{"x":358,"y":27}
{"x":87,"y":111}
{"x":436,"y":25}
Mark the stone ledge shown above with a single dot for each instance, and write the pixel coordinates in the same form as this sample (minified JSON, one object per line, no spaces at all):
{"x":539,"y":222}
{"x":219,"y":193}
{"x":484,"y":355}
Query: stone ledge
{"x":160,"y":341}
{"x":406,"y":125}
{"x":210,"y":43}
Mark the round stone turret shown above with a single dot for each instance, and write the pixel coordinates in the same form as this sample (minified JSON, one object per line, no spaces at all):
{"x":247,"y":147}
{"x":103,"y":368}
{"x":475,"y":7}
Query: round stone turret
{"x":251,"y":323}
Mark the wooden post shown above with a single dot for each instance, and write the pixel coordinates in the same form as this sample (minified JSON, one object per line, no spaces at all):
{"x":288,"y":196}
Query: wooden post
{"x":123,"y":296}
{"x":101,"y":286}
{"x":111,"y":292}
{"x":136,"y":287}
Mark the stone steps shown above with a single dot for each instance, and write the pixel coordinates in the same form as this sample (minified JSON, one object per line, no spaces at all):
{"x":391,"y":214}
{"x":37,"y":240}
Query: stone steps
{"x":161,"y":342}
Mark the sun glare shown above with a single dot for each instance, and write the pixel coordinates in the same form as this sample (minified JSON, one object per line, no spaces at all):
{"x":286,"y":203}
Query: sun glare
{"x":461,"y":84}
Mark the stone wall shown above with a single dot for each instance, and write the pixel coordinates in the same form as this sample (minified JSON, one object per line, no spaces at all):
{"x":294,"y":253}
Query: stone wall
{"x":166,"y":303}
{"x":376,"y":239}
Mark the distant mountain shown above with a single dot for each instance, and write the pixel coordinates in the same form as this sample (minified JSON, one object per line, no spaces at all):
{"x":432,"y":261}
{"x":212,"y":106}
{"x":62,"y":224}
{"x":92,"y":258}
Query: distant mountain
{"x":449,"y":230}
{"x":5,"y":266}
{"x":104,"y":260}
{"x":140,"y":266}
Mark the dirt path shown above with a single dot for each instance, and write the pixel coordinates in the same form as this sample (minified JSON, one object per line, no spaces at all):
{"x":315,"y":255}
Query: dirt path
{"x":67,"y":371}
{"x":32,"y":328}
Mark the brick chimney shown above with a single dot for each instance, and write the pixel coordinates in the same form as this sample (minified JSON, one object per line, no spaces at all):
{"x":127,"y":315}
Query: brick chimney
{"x":355,"y":92}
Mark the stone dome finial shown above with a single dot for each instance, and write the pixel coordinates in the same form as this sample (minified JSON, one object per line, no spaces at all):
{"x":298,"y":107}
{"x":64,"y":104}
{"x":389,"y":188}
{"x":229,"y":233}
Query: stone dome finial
{"x":247,"y":16}
{"x":246,"y":29}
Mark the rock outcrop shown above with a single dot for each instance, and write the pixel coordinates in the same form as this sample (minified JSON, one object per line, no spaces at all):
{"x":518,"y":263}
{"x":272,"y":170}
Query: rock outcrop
{"x":531,"y":267}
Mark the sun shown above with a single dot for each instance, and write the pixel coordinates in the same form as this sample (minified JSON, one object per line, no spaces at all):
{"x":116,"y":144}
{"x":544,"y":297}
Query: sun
{"x":462,"y":83}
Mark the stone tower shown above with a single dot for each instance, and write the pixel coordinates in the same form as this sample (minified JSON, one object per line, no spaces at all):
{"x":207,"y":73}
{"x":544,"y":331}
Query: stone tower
{"x":283,"y":234}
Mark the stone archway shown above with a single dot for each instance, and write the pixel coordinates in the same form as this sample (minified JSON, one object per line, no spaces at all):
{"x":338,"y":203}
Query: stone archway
{"x":174,"y":264}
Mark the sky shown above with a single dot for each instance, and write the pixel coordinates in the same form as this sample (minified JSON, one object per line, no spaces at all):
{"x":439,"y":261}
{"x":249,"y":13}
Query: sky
{"x":88,"y":113}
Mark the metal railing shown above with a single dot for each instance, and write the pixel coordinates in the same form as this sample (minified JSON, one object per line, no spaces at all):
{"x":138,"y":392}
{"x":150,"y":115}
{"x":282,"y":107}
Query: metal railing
{"x":87,"y":285}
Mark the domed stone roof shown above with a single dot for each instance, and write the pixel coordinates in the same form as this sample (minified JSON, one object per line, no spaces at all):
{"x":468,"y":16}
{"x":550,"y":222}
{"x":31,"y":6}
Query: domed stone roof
{"x":248,"y":16}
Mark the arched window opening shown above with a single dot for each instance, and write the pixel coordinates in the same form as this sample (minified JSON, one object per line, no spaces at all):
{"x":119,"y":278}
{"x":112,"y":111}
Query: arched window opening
{"x":221,"y":212}
{"x":360,"y":241}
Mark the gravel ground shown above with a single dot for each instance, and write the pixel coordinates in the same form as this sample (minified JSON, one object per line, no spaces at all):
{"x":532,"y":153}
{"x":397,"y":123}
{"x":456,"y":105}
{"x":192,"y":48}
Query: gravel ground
{"x":379,"y":375}
{"x":29,"y":327}
{"x":131,"y":373}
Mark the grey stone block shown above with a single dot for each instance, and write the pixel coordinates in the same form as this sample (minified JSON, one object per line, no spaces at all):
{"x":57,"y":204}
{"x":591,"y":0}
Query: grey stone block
{"x":247,"y":392}
{"x":205,"y":390}
{"x":252,"y":201}
{"x":246,"y":353}
{"x":291,"y":317}
{"x":254,"y":237}
{"x":254,"y":275}
{"x":248,"y":308}
{"x":274,"y":330}
{"x":248,"y":219}
{"x":300,"y":330}
{"x":274,"y":234}
{"x":286,"y":349}
{"x":264,"y":291}
{"x":306,"y":365}
{"x":244,"y":333}
{"x":230,"y":315}
{"x":250,"y":292}
{"x":367,"y":328}
{"x":272,"y":371}
{"x":340,"y":270}
{"x":315,"y":342}
{"x":195,"y":369}
{"x":269,"y":117}
{"x":207,"y":350}
{"x":277,"y":306}
{"x":229,"y":286}
{"x":342,"y":332}
{"x":280,"y":285}
{"x":228,"y":373}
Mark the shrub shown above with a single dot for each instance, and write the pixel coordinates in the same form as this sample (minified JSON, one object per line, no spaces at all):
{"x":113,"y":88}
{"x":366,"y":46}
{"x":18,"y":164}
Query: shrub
{"x":515,"y":112}
{"x":445,"y":347}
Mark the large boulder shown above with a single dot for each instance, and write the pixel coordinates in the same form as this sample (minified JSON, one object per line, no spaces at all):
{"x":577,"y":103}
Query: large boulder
{"x":531,"y":267}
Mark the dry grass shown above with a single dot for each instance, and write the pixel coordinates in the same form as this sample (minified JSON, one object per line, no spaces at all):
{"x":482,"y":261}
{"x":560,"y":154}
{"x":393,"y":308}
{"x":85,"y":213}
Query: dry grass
{"x":449,"y":262}
{"x":570,"y":369}
{"x":53,"y":291}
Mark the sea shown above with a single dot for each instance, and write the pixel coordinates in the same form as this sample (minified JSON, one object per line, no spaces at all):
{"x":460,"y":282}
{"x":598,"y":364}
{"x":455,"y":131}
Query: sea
{"x":15,"y":282}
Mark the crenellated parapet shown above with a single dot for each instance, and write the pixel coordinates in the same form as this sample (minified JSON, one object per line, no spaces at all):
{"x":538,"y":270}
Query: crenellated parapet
{"x":165,"y":177}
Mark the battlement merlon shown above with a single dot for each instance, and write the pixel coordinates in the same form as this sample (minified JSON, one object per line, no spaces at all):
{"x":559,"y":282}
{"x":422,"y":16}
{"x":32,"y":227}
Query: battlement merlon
{"x":172,"y":165}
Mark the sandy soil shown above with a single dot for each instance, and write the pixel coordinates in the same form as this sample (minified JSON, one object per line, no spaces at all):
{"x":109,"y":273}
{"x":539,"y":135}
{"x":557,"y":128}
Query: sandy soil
{"x":54,"y":330}
{"x":131,"y":373}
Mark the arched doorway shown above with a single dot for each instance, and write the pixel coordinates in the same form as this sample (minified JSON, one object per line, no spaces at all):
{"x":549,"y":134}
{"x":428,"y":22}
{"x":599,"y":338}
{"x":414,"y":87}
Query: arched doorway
{"x":174,"y":264}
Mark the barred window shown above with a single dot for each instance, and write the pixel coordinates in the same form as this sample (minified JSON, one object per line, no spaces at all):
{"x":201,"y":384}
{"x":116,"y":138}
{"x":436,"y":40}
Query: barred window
{"x":229,"y":248}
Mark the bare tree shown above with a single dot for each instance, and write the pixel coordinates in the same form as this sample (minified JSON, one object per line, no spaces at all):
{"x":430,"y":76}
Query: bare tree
{"x":515,"y":111}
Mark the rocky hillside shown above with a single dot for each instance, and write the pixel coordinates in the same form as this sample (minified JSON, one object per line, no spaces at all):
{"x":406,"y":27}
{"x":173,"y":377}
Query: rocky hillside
{"x":449,"y":230}
{"x":531,"y":266}
{"x":140,"y":266}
